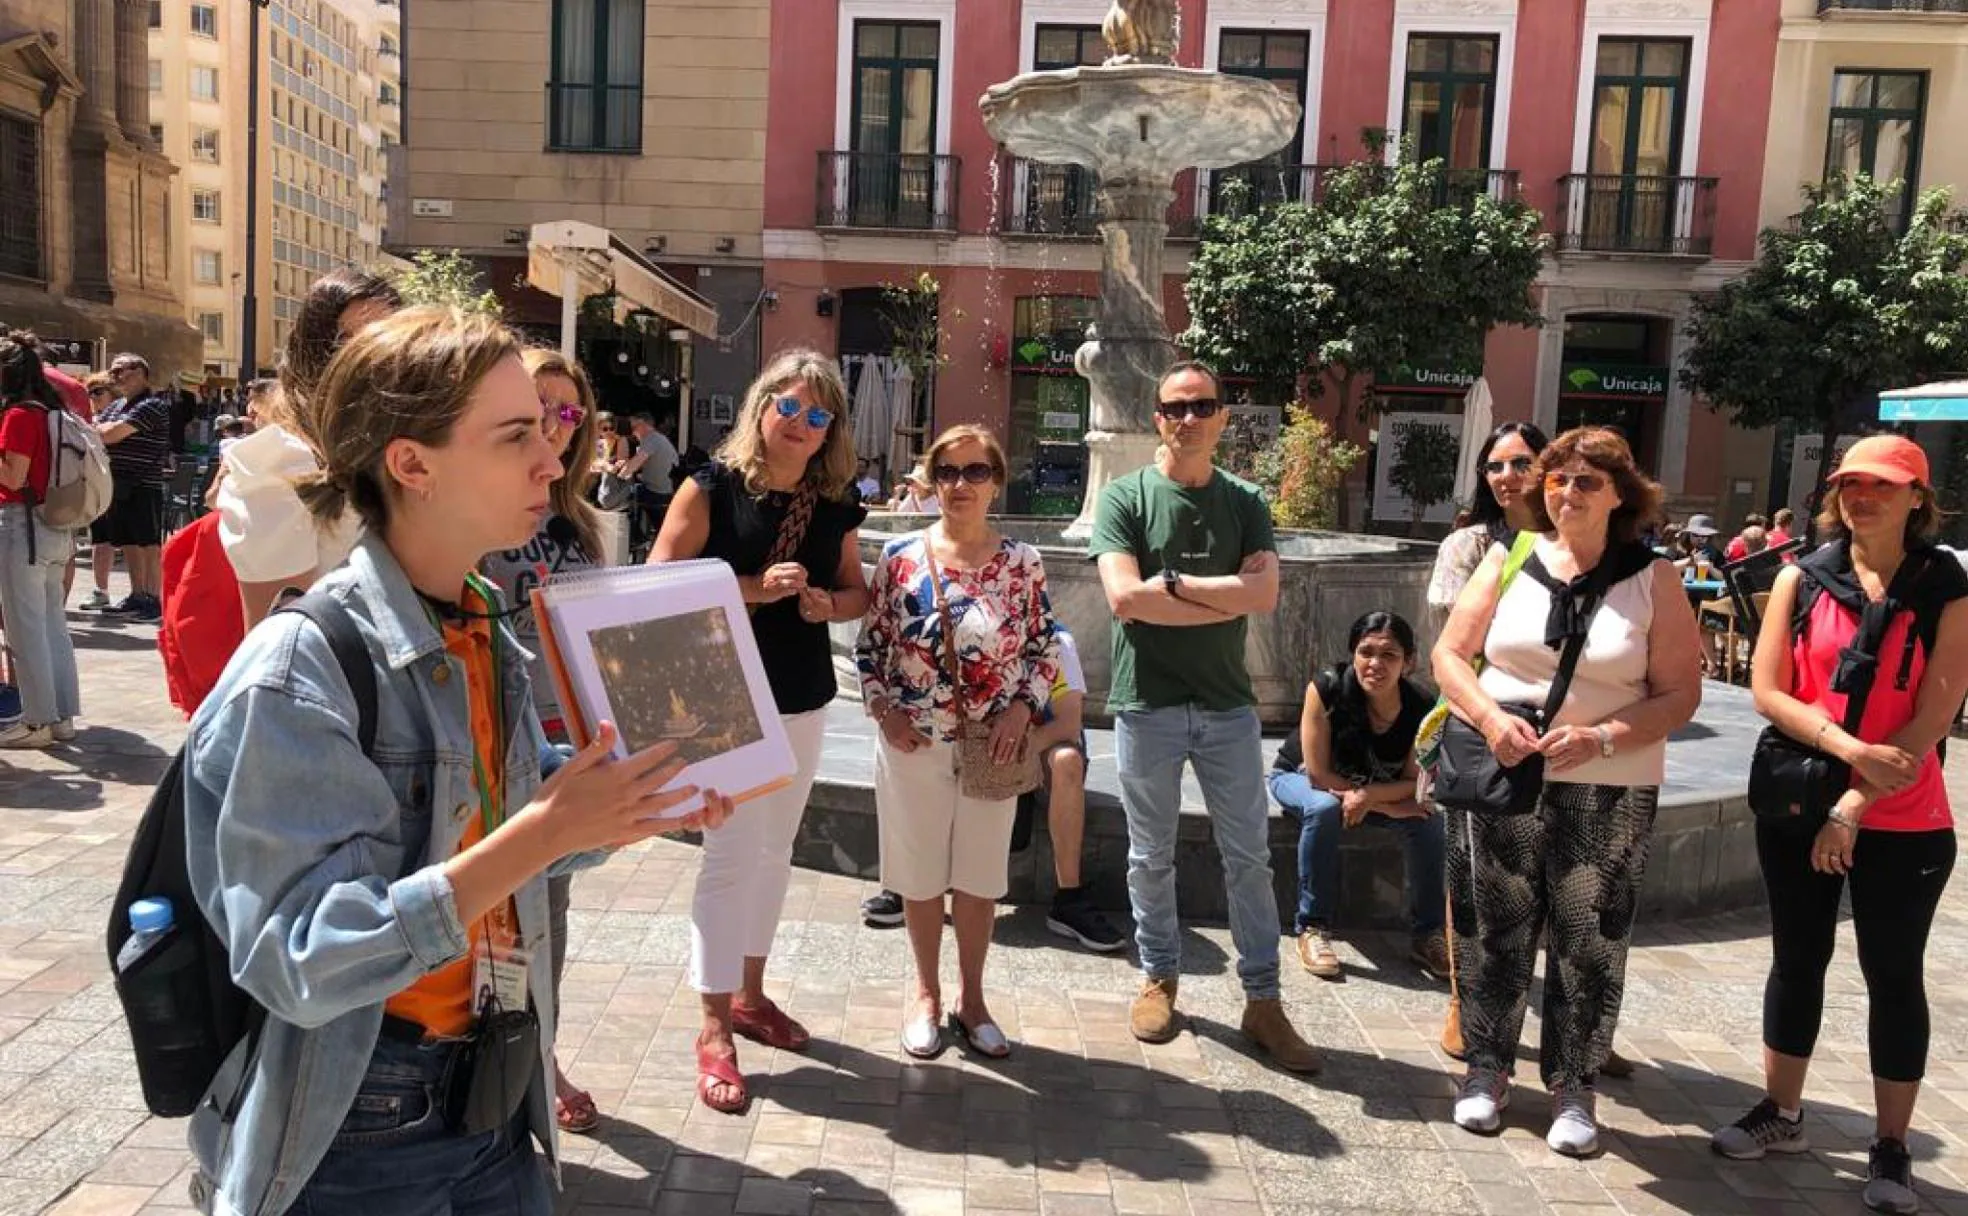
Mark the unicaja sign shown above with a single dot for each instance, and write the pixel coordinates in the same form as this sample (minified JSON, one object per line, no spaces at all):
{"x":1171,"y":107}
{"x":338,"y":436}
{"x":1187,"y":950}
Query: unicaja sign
{"x":1618,"y":381}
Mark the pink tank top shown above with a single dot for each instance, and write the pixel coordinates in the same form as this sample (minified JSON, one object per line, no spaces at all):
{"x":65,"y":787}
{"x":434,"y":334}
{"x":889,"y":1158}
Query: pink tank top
{"x":1922,"y":806}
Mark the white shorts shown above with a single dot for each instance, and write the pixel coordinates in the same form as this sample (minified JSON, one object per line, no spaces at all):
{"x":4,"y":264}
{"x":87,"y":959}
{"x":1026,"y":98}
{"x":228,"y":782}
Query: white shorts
{"x":933,"y":838}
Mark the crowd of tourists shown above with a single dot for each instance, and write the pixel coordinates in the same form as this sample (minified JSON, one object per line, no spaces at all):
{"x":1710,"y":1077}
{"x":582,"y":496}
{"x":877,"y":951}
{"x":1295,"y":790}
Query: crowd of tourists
{"x":405,"y":924}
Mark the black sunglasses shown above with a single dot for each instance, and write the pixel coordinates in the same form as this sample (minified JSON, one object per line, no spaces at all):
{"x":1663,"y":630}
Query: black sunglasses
{"x":1196,"y":407}
{"x":977,"y":472}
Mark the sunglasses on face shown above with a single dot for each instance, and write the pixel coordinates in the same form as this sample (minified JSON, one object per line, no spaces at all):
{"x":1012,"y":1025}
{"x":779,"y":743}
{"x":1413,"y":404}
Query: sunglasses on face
{"x":1516,"y":464}
{"x":1587,"y":483}
{"x":977,"y":472}
{"x":817,"y":418}
{"x":560,"y":413}
{"x":1195,"y":407}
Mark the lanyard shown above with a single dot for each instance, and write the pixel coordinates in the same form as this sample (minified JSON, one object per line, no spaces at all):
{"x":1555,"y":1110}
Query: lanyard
{"x":491,"y":810}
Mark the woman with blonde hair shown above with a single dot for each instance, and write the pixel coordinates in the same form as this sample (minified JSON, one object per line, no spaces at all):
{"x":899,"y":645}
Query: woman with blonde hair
{"x":387,"y":905}
{"x":567,"y":539}
{"x":777,"y":503}
{"x":990,"y":590}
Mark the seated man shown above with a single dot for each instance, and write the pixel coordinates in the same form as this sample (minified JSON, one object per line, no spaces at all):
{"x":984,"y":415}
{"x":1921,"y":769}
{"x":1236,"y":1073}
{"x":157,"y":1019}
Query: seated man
{"x":1060,"y":740}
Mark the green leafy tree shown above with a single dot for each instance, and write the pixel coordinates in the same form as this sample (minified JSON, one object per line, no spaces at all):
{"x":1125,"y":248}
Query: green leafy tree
{"x":445,"y":276}
{"x":1387,"y":267}
{"x":1840,"y":305}
{"x":1424,"y":468}
{"x":1302,"y":470}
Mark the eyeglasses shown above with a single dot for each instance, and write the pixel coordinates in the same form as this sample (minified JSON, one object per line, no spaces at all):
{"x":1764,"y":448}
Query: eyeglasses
{"x":977,"y":472}
{"x":1516,"y":464}
{"x":1587,"y":483}
{"x":1195,"y":407}
{"x":561,"y":412}
{"x":817,"y":418}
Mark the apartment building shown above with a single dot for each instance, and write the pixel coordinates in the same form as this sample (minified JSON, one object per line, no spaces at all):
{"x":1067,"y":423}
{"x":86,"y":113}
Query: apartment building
{"x":87,"y":226}
{"x":642,"y":120}
{"x":1624,"y":123}
{"x":330,"y":106}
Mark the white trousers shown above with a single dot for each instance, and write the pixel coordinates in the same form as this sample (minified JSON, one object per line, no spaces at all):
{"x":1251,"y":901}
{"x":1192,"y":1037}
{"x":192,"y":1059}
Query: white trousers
{"x":934,"y":837}
{"x":747,"y":863}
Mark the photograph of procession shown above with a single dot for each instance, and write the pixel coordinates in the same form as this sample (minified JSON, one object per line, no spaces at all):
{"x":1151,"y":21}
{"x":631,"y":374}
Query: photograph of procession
{"x":677,"y":679}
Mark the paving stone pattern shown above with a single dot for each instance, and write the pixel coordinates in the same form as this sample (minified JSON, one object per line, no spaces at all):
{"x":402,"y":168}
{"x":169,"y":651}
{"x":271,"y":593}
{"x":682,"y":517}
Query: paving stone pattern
{"x":1082,"y":1121}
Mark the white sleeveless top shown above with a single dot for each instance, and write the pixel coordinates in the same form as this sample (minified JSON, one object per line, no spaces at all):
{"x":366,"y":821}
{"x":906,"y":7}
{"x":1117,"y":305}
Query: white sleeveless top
{"x":1611,"y":675}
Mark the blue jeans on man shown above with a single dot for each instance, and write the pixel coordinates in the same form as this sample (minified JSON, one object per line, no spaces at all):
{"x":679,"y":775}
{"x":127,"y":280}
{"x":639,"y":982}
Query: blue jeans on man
{"x":1227,"y":751}
{"x":1317,"y":813}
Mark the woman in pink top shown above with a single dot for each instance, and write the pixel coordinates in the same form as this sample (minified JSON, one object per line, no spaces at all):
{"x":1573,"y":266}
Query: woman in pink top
{"x":1892,"y":832}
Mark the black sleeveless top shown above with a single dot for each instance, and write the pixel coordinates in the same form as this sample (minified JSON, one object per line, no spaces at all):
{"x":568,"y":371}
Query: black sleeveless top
{"x":798,"y":662}
{"x":1358,"y":754}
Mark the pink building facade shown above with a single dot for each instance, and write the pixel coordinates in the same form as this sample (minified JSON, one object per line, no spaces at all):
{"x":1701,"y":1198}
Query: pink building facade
{"x":1638,"y":130}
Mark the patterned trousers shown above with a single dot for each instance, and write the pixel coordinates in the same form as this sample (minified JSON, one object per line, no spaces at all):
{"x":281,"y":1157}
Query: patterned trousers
{"x":1570,"y":869}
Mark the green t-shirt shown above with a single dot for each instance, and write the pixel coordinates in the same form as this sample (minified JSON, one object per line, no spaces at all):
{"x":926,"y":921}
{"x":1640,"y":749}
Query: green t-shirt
{"x":1208,"y":530}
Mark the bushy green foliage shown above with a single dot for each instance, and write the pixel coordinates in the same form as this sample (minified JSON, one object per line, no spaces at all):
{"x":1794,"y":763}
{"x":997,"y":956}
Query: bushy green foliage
{"x":445,"y":276}
{"x":1301,"y":472}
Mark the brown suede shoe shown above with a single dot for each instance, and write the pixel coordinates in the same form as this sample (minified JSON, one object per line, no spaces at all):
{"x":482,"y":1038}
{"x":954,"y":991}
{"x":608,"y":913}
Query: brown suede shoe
{"x":1153,"y":1017}
{"x":1452,"y":1044}
{"x":1265,"y":1022}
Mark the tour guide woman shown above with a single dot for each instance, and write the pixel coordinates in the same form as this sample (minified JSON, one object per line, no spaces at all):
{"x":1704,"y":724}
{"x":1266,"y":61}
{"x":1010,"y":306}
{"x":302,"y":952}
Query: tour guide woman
{"x":365,"y":914}
{"x":1573,"y":862}
{"x":934,"y":837}
{"x":1892,"y":832}
{"x":778,"y":505}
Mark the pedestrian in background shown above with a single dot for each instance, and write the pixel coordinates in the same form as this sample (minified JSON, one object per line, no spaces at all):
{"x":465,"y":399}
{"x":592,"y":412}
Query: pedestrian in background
{"x":137,"y":430}
{"x":32,"y":558}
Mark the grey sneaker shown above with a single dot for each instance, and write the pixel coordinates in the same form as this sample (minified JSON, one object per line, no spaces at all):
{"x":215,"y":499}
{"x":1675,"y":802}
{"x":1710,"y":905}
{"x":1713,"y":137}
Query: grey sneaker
{"x":1889,"y":1178}
{"x":1480,"y":1103}
{"x":1762,"y":1130}
{"x":95,"y":601}
{"x":1574,"y":1125}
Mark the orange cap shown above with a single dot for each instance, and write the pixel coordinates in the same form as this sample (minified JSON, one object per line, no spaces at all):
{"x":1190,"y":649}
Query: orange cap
{"x":1893,"y":458}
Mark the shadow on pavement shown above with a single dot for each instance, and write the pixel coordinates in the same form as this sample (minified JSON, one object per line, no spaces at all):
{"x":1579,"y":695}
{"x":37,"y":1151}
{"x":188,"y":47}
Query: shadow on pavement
{"x":676,"y":1174}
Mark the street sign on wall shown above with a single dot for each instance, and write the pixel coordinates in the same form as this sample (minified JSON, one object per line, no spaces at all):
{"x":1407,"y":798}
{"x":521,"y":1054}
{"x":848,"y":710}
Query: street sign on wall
{"x":1804,"y":466}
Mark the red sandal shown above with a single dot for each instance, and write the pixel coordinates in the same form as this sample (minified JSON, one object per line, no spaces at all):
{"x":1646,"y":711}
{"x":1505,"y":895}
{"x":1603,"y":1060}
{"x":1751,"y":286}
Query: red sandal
{"x":715,"y":1069}
{"x":768,"y":1024}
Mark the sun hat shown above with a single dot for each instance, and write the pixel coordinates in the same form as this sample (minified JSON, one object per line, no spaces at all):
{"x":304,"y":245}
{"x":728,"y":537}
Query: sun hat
{"x":1699,"y":525}
{"x":1893,"y":458}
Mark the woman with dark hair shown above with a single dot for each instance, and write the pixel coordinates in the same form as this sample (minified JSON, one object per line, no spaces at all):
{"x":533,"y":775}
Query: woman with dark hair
{"x":32,"y":558}
{"x":269,"y":538}
{"x":1352,"y":762}
{"x":1501,"y":508}
{"x":1571,"y":862}
{"x":1891,"y":834}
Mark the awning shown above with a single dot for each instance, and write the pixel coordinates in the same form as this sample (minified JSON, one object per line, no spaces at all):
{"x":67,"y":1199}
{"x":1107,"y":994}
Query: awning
{"x":1946,"y":401}
{"x":565,"y":255}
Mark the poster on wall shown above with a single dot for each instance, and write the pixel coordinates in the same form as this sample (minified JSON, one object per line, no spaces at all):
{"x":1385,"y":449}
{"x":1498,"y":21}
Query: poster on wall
{"x":1416,"y":464}
{"x":1804,"y":467}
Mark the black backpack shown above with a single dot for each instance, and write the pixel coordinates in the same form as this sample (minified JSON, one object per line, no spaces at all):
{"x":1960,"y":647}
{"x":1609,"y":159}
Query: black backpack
{"x":183,"y":1010}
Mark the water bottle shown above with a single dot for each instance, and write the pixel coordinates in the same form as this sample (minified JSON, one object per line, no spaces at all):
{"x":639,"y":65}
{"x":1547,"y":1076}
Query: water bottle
{"x":150,"y":923}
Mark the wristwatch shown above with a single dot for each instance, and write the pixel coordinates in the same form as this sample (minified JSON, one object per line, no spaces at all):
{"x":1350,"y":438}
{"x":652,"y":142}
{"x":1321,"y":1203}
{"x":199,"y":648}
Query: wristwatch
{"x":1605,"y":741}
{"x":1172,"y":579}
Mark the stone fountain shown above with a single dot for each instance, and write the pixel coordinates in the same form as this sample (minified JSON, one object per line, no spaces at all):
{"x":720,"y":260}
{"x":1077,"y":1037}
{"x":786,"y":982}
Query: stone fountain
{"x":1135,"y":122}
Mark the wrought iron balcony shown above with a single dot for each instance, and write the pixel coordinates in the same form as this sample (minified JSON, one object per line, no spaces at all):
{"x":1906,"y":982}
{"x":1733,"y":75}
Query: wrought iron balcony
{"x":1942,"y":8}
{"x":904,"y":191}
{"x":1272,"y":184}
{"x":1050,"y":200}
{"x":1636,"y":213}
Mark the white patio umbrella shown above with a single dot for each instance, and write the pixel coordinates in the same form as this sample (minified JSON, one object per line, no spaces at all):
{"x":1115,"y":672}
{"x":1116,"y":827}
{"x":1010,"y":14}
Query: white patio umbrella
{"x":1476,"y":410}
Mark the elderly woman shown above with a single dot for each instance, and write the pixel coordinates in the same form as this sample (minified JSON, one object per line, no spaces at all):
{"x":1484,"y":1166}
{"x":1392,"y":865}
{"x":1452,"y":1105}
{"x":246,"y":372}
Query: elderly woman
{"x":778,"y":505}
{"x":1891,"y":833}
{"x":934,"y":837}
{"x":1572,"y":863}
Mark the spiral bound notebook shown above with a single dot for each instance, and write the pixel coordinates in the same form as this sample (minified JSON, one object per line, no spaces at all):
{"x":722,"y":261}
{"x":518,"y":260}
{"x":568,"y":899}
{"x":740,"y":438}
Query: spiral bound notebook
{"x":666,"y":653}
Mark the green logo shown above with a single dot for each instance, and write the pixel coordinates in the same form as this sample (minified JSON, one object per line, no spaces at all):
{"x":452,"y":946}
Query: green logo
{"x":1582,"y":378}
{"x":1032,"y":350}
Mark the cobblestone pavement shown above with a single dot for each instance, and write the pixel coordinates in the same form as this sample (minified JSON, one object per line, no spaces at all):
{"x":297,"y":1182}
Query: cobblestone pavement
{"x":1081,"y":1121}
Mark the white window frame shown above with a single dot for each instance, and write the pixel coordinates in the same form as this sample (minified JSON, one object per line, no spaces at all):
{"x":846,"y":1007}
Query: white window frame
{"x":1034,"y":14}
{"x":217,"y":145}
{"x":203,"y":315}
{"x":192,"y":24}
{"x":944,"y":13}
{"x":1290,"y":16}
{"x":218,"y":207}
{"x":191,"y":83}
{"x":218,"y":267}
{"x":1411,"y":19}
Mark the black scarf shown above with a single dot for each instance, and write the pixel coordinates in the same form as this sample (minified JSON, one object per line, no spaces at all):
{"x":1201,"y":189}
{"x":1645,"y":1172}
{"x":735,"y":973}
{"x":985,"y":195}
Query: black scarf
{"x":1927,"y":578}
{"x":1573,"y":602}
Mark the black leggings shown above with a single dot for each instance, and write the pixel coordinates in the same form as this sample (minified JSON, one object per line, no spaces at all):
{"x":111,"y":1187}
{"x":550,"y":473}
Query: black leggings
{"x":1897,"y":880}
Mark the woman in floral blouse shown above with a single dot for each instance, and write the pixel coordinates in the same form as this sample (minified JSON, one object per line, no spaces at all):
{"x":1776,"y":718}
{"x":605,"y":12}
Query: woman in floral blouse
{"x":934,"y":838}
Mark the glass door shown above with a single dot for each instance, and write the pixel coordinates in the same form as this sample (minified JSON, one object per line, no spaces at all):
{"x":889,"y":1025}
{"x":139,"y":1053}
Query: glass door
{"x":892,"y":182}
{"x":1280,"y":57}
{"x":1638,"y":99}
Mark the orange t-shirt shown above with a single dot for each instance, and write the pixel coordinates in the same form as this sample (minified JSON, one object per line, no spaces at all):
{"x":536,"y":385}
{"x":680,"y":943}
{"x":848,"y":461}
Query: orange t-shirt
{"x":443,"y":1002}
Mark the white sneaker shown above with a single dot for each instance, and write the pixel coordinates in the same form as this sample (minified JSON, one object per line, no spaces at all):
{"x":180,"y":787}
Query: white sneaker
{"x":95,"y":601}
{"x":21,"y":735}
{"x":1481,"y":1101}
{"x":1574,"y":1125}
{"x":63,"y":731}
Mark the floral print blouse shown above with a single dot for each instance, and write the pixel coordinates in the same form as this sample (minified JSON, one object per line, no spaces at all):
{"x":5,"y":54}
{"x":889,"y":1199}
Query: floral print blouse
{"x":1005,"y":642}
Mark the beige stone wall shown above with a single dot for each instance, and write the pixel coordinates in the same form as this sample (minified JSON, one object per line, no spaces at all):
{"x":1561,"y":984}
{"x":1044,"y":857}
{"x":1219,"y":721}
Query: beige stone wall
{"x":477,"y":130}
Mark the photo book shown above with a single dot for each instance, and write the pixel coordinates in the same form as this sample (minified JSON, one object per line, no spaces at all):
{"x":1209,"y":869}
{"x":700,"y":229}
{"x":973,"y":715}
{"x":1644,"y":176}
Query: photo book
{"x":666,"y":653}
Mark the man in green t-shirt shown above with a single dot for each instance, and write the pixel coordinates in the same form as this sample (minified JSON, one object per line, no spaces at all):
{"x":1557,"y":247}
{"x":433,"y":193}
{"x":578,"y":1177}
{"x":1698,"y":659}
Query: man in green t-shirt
{"x":1186,"y":553}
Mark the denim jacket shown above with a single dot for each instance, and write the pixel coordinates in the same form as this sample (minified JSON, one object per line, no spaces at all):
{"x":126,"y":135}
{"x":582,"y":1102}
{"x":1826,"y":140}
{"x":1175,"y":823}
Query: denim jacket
{"x":296,"y":844}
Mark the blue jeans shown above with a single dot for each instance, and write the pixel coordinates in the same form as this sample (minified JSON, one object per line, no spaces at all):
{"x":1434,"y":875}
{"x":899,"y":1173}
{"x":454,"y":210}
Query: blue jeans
{"x":394,"y":1156}
{"x":1319,"y":826}
{"x":37,"y":628}
{"x":1226,"y":750}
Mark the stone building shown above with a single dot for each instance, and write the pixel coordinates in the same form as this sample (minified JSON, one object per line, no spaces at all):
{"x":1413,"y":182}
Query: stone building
{"x":87,"y":229}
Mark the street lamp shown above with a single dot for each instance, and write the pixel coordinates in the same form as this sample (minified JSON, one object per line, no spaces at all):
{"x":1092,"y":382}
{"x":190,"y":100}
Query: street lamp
{"x":249,"y":309}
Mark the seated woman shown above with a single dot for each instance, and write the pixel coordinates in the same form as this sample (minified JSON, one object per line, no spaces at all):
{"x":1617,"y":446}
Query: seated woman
{"x":1352,"y":762}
